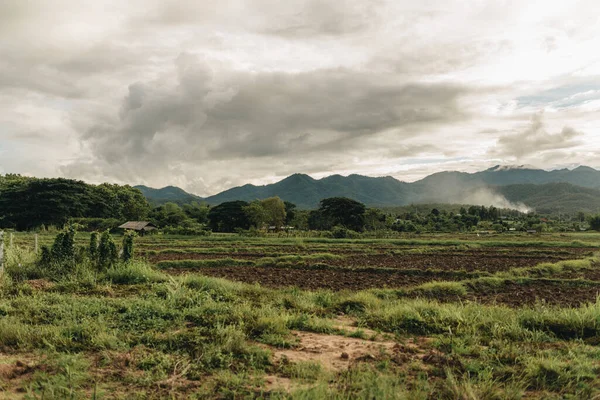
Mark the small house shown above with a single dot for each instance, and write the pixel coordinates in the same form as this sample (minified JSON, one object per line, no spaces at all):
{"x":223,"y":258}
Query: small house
{"x":139,"y":226}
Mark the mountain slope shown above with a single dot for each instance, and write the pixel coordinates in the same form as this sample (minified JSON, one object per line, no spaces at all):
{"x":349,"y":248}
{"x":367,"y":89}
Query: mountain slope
{"x":306,"y":192}
{"x":558,"y":190}
{"x":167,"y":194}
{"x":512,"y":175}
{"x":553,"y":197}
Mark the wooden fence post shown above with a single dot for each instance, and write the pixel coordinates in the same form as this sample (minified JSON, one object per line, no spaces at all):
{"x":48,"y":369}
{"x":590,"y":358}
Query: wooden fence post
{"x":36,"y":243}
{"x":1,"y":252}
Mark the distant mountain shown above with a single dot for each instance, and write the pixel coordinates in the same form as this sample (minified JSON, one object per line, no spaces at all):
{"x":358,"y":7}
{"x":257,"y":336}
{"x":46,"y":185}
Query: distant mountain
{"x":167,"y":194}
{"x":306,"y":192}
{"x":553,"y":197}
{"x":512,"y":175}
{"x":503,"y":186}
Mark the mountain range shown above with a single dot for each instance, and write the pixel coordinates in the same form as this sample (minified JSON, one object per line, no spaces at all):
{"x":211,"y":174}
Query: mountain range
{"x":518,"y":187}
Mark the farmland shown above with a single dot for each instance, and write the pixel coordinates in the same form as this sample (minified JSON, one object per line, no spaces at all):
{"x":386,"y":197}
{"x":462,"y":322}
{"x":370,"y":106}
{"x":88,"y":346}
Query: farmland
{"x":225,"y":316}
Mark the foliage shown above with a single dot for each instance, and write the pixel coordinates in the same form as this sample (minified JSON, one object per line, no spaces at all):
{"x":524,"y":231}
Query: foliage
{"x":63,"y":249}
{"x":270,"y":212}
{"x":168,"y":214}
{"x":134,"y":273}
{"x":595,"y":222}
{"x":93,"y":248}
{"x":108,"y":254}
{"x":137,"y":332}
{"x":338,"y":211}
{"x":197,"y":211}
{"x":228,"y":216}
{"x":340,"y":232}
{"x":95,"y":224}
{"x":256,"y":213}
{"x":28,"y":203}
{"x":192,"y":229}
{"x":128,"y":239}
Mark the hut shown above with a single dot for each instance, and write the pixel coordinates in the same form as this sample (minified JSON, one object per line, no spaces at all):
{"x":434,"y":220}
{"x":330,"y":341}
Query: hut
{"x":139,"y":226}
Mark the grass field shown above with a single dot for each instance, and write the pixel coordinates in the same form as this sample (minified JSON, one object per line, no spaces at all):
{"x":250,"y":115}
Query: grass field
{"x":424,"y":317}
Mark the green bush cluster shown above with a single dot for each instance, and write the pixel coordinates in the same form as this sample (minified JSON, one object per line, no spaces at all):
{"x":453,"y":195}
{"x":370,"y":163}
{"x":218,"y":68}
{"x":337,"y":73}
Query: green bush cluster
{"x":128,"y":239}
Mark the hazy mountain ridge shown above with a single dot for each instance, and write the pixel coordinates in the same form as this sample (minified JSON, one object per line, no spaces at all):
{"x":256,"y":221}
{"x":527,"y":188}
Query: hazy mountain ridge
{"x":171,"y":194}
{"x":558,"y":190}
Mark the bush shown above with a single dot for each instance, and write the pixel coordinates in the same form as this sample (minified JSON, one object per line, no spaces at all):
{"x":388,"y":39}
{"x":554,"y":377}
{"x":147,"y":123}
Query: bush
{"x":93,"y":249}
{"x":196,"y":230}
{"x":107,"y":252}
{"x":95,"y":224}
{"x":340,"y":232}
{"x":62,"y":257}
{"x":128,"y":246}
{"x":134,"y":272}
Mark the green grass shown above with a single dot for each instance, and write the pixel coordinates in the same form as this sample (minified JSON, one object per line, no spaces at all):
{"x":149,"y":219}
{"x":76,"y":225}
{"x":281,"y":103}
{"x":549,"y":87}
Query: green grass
{"x":136,"y":332}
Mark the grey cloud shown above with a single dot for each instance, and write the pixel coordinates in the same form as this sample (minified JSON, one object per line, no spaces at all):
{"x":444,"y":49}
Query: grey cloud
{"x":535,"y":139}
{"x":196,"y":115}
{"x":290,"y":19}
{"x":297,"y":86}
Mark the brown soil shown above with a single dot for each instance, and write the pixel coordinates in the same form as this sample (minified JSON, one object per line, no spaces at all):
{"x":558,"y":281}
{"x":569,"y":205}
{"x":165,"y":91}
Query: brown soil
{"x":587,"y":274}
{"x":334,"y":353}
{"x":315,"y":279}
{"x":338,"y":353}
{"x":488,"y":260}
{"x":15,"y":372}
{"x":40,"y":284}
{"x":196,"y":256}
{"x":472,"y":261}
{"x":516,"y":294}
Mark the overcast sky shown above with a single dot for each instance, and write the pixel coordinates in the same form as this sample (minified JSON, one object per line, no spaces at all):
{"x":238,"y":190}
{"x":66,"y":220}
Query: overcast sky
{"x":207,"y":95}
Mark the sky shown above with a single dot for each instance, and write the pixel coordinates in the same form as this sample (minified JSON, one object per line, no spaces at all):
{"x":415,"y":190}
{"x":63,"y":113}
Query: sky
{"x":208,"y":95}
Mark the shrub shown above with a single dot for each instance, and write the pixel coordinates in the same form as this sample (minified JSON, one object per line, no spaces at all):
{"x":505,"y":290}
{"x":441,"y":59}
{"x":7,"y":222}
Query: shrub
{"x":63,"y":249}
{"x":107,"y":251}
{"x":128,"y":246}
{"x":62,"y":257}
{"x":134,"y":272}
{"x":340,"y":232}
{"x":93,"y":250}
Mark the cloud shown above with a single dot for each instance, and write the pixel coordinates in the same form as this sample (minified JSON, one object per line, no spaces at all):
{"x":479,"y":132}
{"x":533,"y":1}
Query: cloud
{"x":487,"y":196}
{"x":184,"y":92}
{"x":199,"y":112}
{"x":535,"y":139}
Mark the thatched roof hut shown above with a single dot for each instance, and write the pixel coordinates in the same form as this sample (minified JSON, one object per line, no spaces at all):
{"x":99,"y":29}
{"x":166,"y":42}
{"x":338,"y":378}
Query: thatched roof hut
{"x":139,"y":226}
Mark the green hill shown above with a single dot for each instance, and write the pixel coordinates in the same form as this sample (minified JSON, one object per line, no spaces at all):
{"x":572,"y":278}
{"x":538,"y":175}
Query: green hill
{"x":546,"y":191}
{"x":167,"y":194}
{"x":554,"y":197}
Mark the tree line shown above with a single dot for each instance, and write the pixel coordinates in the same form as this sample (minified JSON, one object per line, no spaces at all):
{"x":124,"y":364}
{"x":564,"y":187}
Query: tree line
{"x":30,"y":203}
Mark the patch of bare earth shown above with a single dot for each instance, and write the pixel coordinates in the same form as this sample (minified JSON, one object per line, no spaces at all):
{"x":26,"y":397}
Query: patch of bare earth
{"x":15,"y":373}
{"x":337,"y":353}
{"x":40,"y":284}
{"x":334,"y":353}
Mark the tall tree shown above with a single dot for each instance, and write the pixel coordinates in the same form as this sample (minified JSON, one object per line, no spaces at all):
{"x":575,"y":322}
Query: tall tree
{"x":228,"y":216}
{"x":275,"y":211}
{"x":342,"y":211}
{"x":256,"y":213}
